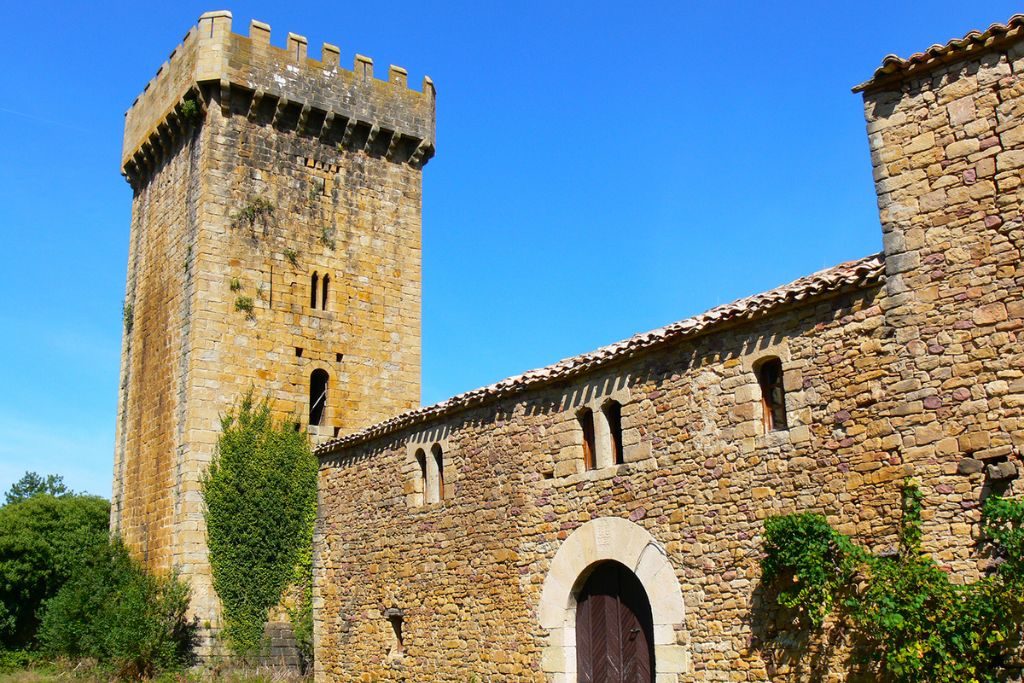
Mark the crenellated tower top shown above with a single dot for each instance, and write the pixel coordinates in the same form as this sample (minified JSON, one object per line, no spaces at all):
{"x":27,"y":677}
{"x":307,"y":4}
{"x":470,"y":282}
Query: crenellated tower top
{"x":248,"y":76}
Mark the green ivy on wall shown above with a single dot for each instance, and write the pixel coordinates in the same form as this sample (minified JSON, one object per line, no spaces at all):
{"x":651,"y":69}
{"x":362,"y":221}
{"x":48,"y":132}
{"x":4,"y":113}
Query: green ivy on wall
{"x":259,"y":493}
{"x":906,"y":620}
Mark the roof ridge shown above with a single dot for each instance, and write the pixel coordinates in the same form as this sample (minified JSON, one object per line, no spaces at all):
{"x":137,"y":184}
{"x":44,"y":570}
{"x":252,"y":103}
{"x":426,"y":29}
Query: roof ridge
{"x":894,"y":67}
{"x":857,"y":273}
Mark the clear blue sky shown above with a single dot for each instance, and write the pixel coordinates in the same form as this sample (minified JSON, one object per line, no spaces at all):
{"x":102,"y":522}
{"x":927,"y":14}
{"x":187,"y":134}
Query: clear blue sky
{"x":602,"y":169}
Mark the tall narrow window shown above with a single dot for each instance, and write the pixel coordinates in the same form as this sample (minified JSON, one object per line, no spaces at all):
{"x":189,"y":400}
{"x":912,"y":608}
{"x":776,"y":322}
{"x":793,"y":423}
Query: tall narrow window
{"x":396,"y":616}
{"x":317,"y":396}
{"x":323,"y":288}
{"x":586,"y":418}
{"x":613,"y":416}
{"x":421,"y":462}
{"x":439,"y":464}
{"x":773,"y":394}
{"x":313,"y":280}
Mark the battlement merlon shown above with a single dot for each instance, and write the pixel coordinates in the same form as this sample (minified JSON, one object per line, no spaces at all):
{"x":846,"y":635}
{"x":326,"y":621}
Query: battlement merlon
{"x":212,"y":62}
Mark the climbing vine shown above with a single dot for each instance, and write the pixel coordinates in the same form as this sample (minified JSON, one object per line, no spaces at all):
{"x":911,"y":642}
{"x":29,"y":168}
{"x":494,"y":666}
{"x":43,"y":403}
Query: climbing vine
{"x":259,"y":493}
{"x":908,"y":621}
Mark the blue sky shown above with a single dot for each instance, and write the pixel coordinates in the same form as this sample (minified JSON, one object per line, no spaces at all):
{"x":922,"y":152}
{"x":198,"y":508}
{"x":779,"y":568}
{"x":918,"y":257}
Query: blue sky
{"x":602,"y":169}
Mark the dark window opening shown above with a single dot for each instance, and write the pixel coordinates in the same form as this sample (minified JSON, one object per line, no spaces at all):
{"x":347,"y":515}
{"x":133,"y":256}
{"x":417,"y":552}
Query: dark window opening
{"x":317,"y":396}
{"x":323,"y":288}
{"x":298,"y":352}
{"x":313,"y":280}
{"x":338,"y":357}
{"x":396,"y":617}
{"x":439,"y":462}
{"x":337,"y":431}
{"x":421,"y":460}
{"x":773,"y":395}
{"x":613,"y":415}
{"x":586,"y":418}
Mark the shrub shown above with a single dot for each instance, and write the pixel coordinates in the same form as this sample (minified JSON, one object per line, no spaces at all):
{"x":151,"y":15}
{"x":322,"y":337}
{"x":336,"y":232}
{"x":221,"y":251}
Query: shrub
{"x":43,"y":540}
{"x":910,"y":622}
{"x":258,"y":492}
{"x":115,"y":612}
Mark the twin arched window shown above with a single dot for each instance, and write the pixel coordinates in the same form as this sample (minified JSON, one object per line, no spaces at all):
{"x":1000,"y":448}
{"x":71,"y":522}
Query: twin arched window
{"x":318,"y":290}
{"x":431,"y":473}
{"x":594,"y":455}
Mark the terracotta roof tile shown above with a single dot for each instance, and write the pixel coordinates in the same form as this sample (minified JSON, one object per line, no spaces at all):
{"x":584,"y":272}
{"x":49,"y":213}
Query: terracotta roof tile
{"x":894,"y":67}
{"x":845,"y":276}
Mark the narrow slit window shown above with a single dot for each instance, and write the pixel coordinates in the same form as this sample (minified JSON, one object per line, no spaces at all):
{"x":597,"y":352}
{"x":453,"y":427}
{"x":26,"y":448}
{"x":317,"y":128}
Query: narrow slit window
{"x":586,"y":419}
{"x":439,"y":464}
{"x":313,"y":281}
{"x":421,"y":462}
{"x":396,"y":617}
{"x":613,"y":416}
{"x":324,"y":286}
{"x":773,"y":395}
{"x":317,"y":396}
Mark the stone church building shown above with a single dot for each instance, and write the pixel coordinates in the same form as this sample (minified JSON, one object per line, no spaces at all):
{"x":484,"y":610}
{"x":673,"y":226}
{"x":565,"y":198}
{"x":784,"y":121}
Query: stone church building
{"x":599,"y":519}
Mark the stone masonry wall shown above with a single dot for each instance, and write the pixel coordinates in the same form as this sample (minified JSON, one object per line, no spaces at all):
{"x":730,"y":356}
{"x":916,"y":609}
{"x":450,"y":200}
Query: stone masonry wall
{"x":158,"y":301}
{"x":700,"y":476}
{"x":947,"y":158}
{"x":922,"y":377}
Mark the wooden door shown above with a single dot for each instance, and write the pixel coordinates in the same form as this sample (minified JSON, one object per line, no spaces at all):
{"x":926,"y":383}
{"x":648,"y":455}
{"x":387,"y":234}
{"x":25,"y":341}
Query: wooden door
{"x":614,"y":628}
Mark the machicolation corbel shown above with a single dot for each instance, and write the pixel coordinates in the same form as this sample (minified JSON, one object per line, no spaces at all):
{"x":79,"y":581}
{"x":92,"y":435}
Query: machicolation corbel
{"x":381,"y":117}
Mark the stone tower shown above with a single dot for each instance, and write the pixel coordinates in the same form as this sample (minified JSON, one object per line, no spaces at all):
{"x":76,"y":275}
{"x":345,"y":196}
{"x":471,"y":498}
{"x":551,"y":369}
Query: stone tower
{"x":275,"y":245}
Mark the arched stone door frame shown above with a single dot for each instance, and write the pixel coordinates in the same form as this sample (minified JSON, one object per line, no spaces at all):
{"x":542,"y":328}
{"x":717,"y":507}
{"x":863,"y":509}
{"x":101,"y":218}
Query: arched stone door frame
{"x":599,"y":540}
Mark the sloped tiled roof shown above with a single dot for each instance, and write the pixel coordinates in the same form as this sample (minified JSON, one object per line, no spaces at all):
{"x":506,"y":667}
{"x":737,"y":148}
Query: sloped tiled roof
{"x":845,"y":276}
{"x":894,"y":67}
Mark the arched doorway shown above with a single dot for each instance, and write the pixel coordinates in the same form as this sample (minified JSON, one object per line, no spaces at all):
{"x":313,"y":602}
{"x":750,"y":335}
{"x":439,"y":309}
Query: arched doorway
{"x":603,"y":540}
{"x":614,"y":628}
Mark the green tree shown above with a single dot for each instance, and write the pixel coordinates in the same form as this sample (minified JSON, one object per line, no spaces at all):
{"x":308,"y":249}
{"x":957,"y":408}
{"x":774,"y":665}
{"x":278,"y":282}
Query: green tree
{"x":116,"y":613}
{"x":43,"y":539}
{"x":258,"y":492}
{"x":33,"y":485}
